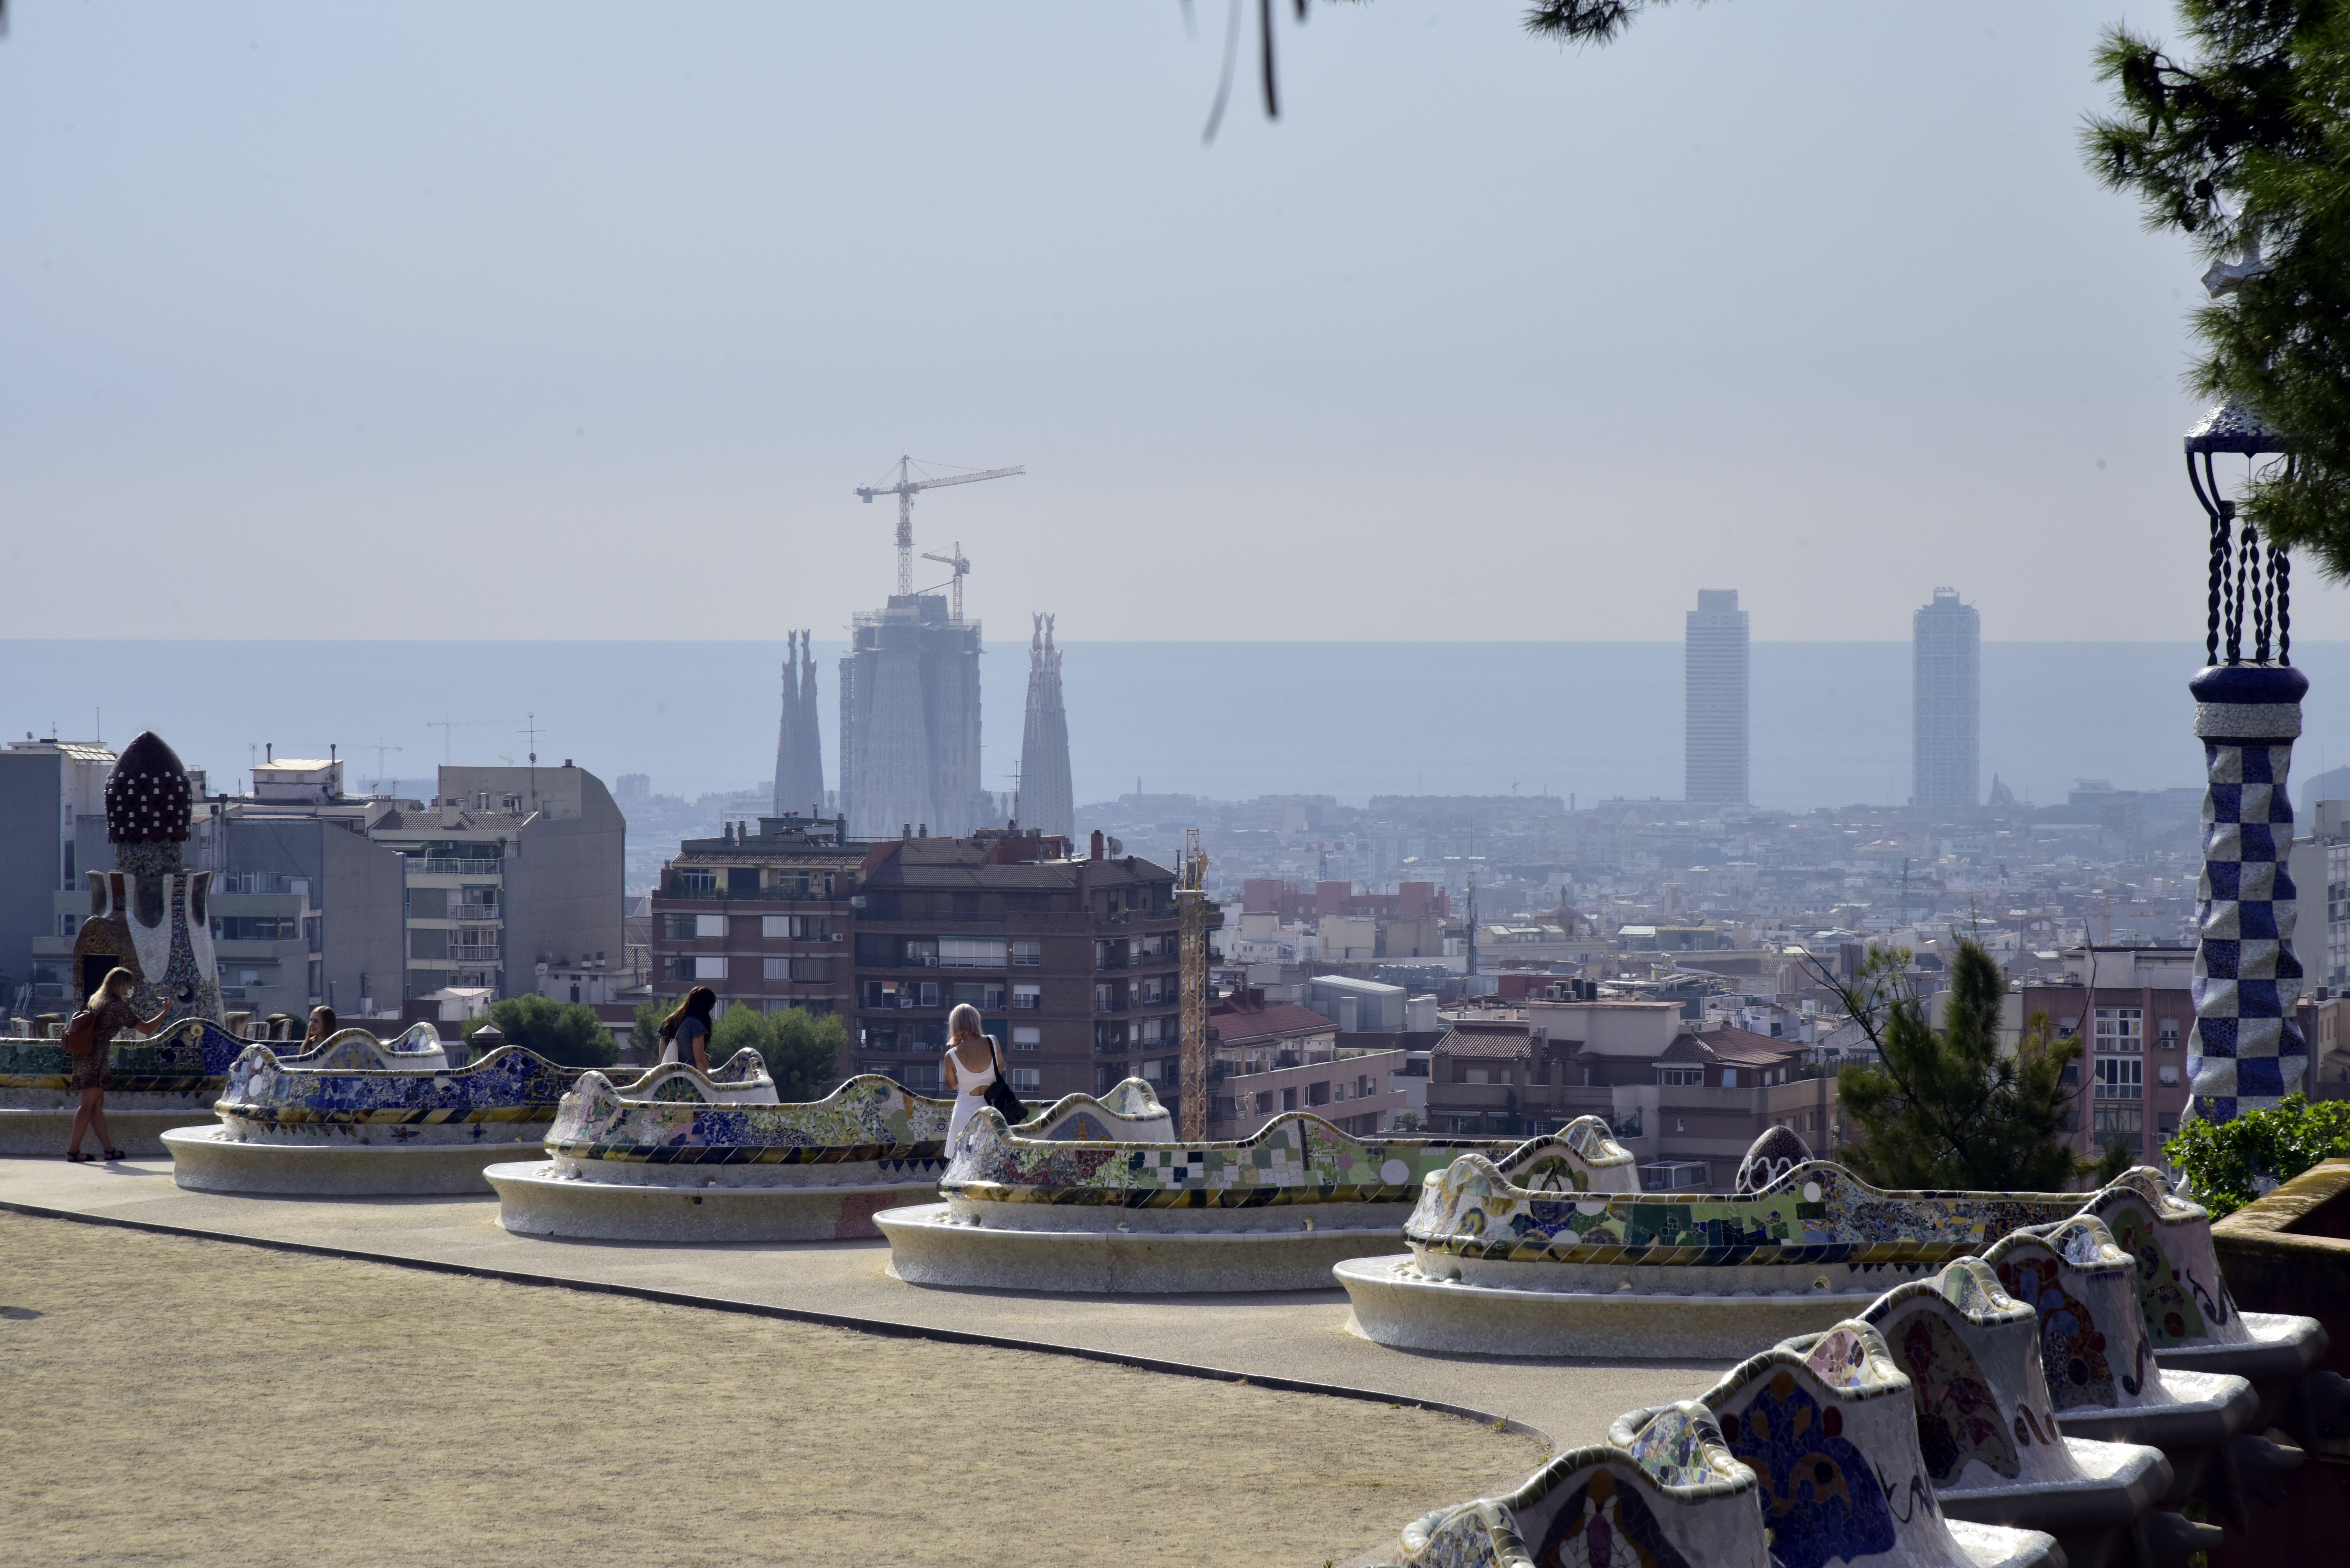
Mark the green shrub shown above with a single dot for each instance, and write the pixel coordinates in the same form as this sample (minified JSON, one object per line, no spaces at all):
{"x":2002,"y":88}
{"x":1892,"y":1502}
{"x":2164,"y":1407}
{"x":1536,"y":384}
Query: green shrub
{"x":801,"y":1048}
{"x":2229,"y":1164}
{"x":568,"y":1033}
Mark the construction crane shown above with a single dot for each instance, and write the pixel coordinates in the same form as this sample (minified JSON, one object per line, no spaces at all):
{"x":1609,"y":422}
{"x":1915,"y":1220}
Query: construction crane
{"x":962,"y":564}
{"x":904,"y":490}
{"x":1192,"y":903}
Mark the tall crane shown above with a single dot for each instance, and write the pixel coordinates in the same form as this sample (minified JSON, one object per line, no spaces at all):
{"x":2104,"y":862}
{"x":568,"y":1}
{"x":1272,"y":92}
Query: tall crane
{"x":1193,"y":1106}
{"x":962,"y":564}
{"x":904,"y":490}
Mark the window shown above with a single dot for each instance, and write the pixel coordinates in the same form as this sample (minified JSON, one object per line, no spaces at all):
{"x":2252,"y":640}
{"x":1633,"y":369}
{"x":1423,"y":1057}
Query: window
{"x":1027,"y":1037}
{"x":677,"y":928}
{"x":775,"y":928}
{"x":923,"y":1077}
{"x":1154,"y":1030}
{"x":1102,"y":995}
{"x":1729,"y":1077}
{"x":708,"y":966}
{"x":1318,"y":1094}
{"x":790,"y":884}
{"x":1288,"y":1099}
{"x":972,"y":953}
{"x":2170,"y":1034}
{"x":1027,"y":998}
{"x":1680,"y":1077}
{"x":2168,"y":1076}
{"x":2117,"y":1124}
{"x":1028,"y":955}
{"x":880,"y":1040}
{"x":1026,"y":1080}
{"x":2121,"y":1079}
{"x":921,"y":952}
{"x":2166,"y":1125}
{"x":2120,"y":1029}
{"x":811,"y":970}
{"x":979,"y":993}
{"x":775,"y":969}
{"x":697,"y":881}
{"x":918,"y":994}
{"x":2067,"y":1027}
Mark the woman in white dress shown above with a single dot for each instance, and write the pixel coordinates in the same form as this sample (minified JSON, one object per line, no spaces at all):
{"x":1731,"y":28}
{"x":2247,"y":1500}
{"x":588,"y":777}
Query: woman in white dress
{"x":973,"y":1062}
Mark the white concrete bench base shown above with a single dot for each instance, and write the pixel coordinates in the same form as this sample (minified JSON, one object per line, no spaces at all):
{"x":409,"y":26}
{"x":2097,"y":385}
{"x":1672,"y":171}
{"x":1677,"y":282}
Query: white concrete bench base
{"x":2210,"y":1408}
{"x":1395,"y":1305}
{"x":927,"y":1247}
{"x":207,"y":1159}
{"x":533,"y":1201}
{"x":2089,"y":1515}
{"x":137,"y":1133}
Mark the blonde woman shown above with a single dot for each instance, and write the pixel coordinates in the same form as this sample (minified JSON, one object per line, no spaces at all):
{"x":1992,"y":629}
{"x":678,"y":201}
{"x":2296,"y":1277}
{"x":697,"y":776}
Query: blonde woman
{"x":106,"y":1014}
{"x":973,"y":1064}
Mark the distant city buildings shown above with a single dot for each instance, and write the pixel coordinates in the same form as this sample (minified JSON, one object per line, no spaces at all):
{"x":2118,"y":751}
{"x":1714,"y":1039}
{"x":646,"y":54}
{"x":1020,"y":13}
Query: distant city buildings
{"x":1047,"y":801}
{"x":45,"y":785}
{"x":1714,"y":654}
{"x":910,"y":721}
{"x":1945,"y":703}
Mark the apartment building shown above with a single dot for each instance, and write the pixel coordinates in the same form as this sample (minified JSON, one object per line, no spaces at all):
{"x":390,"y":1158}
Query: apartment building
{"x":45,"y":786}
{"x":2132,"y":1009}
{"x":1072,"y":963}
{"x":761,"y":915}
{"x":506,"y":868}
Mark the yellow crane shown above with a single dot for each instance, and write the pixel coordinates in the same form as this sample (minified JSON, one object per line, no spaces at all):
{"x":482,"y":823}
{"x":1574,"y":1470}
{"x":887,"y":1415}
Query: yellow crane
{"x":1192,"y":903}
{"x":905,"y":490}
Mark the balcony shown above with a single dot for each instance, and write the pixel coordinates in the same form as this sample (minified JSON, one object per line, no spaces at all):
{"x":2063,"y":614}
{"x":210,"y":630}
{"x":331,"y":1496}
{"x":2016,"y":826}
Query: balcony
{"x":452,"y":865}
{"x":472,"y":952}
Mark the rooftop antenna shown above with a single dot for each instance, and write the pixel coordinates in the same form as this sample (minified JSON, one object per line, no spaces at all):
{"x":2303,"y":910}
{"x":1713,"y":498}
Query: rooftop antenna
{"x":530,"y":730}
{"x":379,"y":748}
{"x":905,"y":490}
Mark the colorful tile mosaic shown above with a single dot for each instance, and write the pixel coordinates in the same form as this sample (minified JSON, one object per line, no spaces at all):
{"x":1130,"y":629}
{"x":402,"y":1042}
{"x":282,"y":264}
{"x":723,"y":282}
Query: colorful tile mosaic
{"x":1664,"y":1494}
{"x":2094,"y":1351}
{"x":355,"y":1049}
{"x":740,"y":1079}
{"x":191,"y":1055}
{"x":2246,"y":1052}
{"x":1581,"y":1156}
{"x":1817,"y":1213}
{"x":869,"y":1117}
{"x":2182,"y":1296}
{"x":1296,"y":1158}
{"x":509,"y":1085}
{"x":1770,"y":1158}
{"x":1971,"y":1354}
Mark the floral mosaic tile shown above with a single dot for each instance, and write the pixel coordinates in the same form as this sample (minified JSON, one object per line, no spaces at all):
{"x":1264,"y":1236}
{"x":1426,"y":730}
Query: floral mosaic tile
{"x":869,"y":1117}
{"x":2094,"y":1350}
{"x":193,"y":1054}
{"x":2182,"y":1296}
{"x":509,"y":1085}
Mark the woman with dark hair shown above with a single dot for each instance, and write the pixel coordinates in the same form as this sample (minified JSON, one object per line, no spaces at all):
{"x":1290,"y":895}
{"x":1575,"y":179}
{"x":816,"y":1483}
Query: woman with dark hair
{"x":688,"y":1028}
{"x":322,"y":1024}
{"x":106,"y":1014}
{"x":973,"y":1064}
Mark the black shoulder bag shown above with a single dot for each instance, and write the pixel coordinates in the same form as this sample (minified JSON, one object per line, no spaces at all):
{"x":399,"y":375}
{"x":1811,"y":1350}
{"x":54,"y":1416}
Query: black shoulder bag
{"x":999,"y":1093}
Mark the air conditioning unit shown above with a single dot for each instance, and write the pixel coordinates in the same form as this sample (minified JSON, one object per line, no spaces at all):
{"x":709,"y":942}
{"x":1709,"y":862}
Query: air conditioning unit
{"x":840,"y":936}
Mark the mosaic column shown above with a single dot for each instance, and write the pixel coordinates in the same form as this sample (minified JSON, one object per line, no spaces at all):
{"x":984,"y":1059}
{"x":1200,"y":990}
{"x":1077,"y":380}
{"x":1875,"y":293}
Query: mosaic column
{"x":2247,"y":1054}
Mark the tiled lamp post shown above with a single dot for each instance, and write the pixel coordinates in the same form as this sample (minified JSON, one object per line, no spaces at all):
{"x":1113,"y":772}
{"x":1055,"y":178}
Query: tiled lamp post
{"x":2247,"y":1052}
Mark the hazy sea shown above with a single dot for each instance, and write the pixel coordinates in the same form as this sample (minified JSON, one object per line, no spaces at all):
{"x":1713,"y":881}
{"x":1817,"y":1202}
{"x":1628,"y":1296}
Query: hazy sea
{"x":1230,"y":720}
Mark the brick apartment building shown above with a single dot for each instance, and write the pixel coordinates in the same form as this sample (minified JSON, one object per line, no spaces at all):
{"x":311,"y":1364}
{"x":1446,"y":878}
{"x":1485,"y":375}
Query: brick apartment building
{"x":1072,"y":963}
{"x":2134,"y":1023}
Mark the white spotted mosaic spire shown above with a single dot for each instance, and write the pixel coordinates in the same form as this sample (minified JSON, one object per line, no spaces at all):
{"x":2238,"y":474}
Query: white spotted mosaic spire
{"x":2247,"y":1053}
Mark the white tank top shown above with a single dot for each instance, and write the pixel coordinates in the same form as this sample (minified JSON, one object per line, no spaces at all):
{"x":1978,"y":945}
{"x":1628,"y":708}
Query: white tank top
{"x":967,"y":1104}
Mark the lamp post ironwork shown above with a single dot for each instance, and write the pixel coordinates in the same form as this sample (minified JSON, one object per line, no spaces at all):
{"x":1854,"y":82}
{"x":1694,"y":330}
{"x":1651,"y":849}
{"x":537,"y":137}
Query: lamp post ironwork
{"x":2247,"y":1051}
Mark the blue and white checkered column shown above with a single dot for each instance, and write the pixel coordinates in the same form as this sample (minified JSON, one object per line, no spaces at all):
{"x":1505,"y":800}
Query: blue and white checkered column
{"x":2247,"y":1053}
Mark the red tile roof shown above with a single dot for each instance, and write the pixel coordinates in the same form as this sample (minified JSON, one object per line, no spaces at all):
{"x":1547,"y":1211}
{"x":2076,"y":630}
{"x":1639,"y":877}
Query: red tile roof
{"x":1274,"y":1021}
{"x":1506,"y":1041}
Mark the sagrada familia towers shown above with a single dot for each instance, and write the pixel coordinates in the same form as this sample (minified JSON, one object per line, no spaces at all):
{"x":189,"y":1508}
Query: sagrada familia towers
{"x":1044,"y":793}
{"x":799,"y":746}
{"x":909,"y":728}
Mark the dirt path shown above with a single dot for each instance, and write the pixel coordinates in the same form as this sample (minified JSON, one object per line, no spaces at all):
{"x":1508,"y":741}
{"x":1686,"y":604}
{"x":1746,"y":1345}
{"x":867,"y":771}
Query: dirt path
{"x":178,"y":1401}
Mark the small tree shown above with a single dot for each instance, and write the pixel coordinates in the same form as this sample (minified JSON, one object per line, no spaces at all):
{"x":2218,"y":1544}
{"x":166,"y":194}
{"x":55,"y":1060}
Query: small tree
{"x":2229,"y":1164}
{"x":568,"y":1033}
{"x":1944,"y":1109}
{"x":644,"y":1035}
{"x":801,"y":1048}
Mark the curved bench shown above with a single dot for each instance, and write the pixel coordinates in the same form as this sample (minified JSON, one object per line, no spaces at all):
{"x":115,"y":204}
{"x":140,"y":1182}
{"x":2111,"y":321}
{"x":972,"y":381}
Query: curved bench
{"x":1274,"y":1210}
{"x":349,"y":1130}
{"x":671,"y":1168}
{"x":169,"y":1080}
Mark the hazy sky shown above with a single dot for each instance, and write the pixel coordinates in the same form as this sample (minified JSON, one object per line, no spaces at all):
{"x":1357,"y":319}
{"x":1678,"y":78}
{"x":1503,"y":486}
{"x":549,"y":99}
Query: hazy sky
{"x":559,"y":321}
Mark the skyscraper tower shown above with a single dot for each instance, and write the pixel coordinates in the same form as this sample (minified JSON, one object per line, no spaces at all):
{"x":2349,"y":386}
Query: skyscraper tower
{"x":1713,"y":664}
{"x":799,"y":742}
{"x":909,"y":719}
{"x":1048,"y":803}
{"x":1945,"y":703}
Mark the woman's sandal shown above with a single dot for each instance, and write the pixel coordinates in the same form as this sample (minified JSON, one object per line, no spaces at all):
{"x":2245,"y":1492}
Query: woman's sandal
{"x":115,"y":1154}
{"x":75,"y":1157}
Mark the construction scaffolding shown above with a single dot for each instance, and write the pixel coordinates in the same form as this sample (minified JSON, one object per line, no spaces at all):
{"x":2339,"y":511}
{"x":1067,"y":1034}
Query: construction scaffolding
{"x":1192,"y":903}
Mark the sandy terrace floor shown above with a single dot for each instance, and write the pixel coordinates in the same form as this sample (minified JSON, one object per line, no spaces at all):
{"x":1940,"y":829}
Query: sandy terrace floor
{"x":165,"y":1400}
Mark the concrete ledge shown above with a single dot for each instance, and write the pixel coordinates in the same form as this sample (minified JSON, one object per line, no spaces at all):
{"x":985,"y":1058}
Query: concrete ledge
{"x":137,"y":1133}
{"x":2090,"y":1517}
{"x":533,"y":1201}
{"x":1397,"y":1305}
{"x":205,"y":1159}
{"x":927,"y":1247}
{"x":2210,"y":1409}
{"x":2280,"y":1347}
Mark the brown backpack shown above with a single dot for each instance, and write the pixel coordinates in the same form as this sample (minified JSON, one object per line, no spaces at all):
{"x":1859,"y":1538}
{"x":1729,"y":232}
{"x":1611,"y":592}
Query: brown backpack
{"x":81,"y":1032}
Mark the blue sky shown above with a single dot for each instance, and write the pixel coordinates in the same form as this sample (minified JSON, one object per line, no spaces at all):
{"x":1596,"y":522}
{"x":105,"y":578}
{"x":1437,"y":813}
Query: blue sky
{"x":570,"y":321}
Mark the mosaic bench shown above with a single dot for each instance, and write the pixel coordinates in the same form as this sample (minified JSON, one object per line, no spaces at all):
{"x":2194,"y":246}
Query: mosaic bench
{"x":2097,"y":1360}
{"x":1498,"y":1269}
{"x":168,"y":1080}
{"x":343,"y":1129}
{"x":669,"y":1163}
{"x":1273,"y":1210}
{"x":1987,"y":1432}
{"x":1794,"y":1459}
